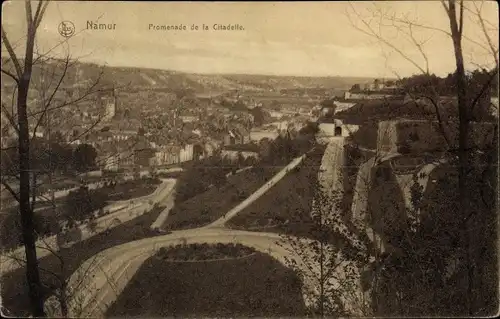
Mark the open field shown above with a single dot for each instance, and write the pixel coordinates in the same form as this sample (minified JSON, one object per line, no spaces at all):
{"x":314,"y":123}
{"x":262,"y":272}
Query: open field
{"x":211,"y":288}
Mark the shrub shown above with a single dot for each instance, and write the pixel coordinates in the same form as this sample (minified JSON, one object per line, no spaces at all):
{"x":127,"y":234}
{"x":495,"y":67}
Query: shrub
{"x":404,"y":148}
{"x":162,"y":252}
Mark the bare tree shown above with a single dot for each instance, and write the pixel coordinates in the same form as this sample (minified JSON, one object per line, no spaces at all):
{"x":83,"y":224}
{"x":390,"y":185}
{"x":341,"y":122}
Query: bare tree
{"x":22,"y":78}
{"x":47,"y":77}
{"x":331,"y":259}
{"x":65,"y":291}
{"x":462,"y":146}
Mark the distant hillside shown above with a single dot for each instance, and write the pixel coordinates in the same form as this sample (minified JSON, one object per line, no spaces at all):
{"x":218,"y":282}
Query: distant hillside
{"x":289,"y":82}
{"x":138,"y":78}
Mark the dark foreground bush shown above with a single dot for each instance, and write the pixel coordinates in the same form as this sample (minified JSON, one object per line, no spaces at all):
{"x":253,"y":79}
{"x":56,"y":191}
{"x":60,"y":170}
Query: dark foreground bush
{"x":257,"y":286}
{"x":204,"y":251}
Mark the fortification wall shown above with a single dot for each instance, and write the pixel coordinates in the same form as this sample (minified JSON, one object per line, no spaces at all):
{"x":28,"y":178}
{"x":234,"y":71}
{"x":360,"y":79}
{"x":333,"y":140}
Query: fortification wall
{"x":413,"y":136}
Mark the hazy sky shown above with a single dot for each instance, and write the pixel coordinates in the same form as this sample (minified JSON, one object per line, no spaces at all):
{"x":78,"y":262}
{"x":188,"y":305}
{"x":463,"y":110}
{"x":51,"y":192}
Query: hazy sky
{"x":278,"y":38}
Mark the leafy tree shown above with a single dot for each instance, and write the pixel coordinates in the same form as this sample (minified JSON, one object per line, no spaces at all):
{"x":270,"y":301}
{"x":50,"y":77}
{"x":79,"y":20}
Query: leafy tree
{"x":260,"y":115}
{"x":481,"y":86}
{"x":198,"y":178}
{"x":80,"y":203}
{"x":264,"y":147}
{"x":60,"y":156}
{"x":328,"y":103}
{"x":355,"y":88}
{"x":311,"y":128}
{"x":84,"y":157}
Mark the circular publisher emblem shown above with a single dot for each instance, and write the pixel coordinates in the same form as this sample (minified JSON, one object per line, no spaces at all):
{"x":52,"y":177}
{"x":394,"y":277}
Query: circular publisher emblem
{"x":66,"y":29}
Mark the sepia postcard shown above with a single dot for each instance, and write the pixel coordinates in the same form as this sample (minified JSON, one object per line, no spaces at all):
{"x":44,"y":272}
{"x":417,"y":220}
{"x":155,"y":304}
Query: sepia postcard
{"x":249,"y":159}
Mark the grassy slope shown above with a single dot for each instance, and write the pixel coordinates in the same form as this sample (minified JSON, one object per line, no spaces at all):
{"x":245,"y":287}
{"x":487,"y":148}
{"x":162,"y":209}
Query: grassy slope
{"x":129,"y":190}
{"x":290,"y":199}
{"x":214,"y":203}
{"x":215,"y":289}
{"x":286,"y":208}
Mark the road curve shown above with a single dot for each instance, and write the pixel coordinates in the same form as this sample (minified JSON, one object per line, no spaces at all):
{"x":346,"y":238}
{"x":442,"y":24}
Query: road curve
{"x":113,"y":268}
{"x":110,"y":266}
{"x":130,"y":256}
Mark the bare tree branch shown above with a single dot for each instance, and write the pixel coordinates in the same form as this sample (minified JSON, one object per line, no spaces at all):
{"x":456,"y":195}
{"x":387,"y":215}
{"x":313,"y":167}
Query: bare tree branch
{"x":11,"y":75}
{"x":420,"y":49}
{"x":461,"y":19}
{"x":10,"y":118}
{"x":33,"y":199}
{"x":49,"y":101}
{"x":83,"y":97}
{"x":29,"y":14}
{"x":485,"y":87}
{"x":416,"y":24}
{"x":494,"y":51}
{"x":12,"y":54}
{"x":40,"y":12}
{"x":445,"y":6}
{"x":11,"y":191}
{"x":372,"y":33}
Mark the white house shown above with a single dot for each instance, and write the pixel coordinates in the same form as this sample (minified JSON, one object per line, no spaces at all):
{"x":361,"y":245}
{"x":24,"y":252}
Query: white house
{"x":234,"y":151}
{"x":111,"y":163}
{"x":186,"y":153}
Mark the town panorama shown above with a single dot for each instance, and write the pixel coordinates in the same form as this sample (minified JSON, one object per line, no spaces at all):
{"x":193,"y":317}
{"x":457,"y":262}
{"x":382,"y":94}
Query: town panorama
{"x":320,"y":159}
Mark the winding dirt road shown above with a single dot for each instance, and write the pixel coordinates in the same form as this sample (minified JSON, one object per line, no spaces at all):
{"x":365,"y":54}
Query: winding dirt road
{"x":113,"y":268}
